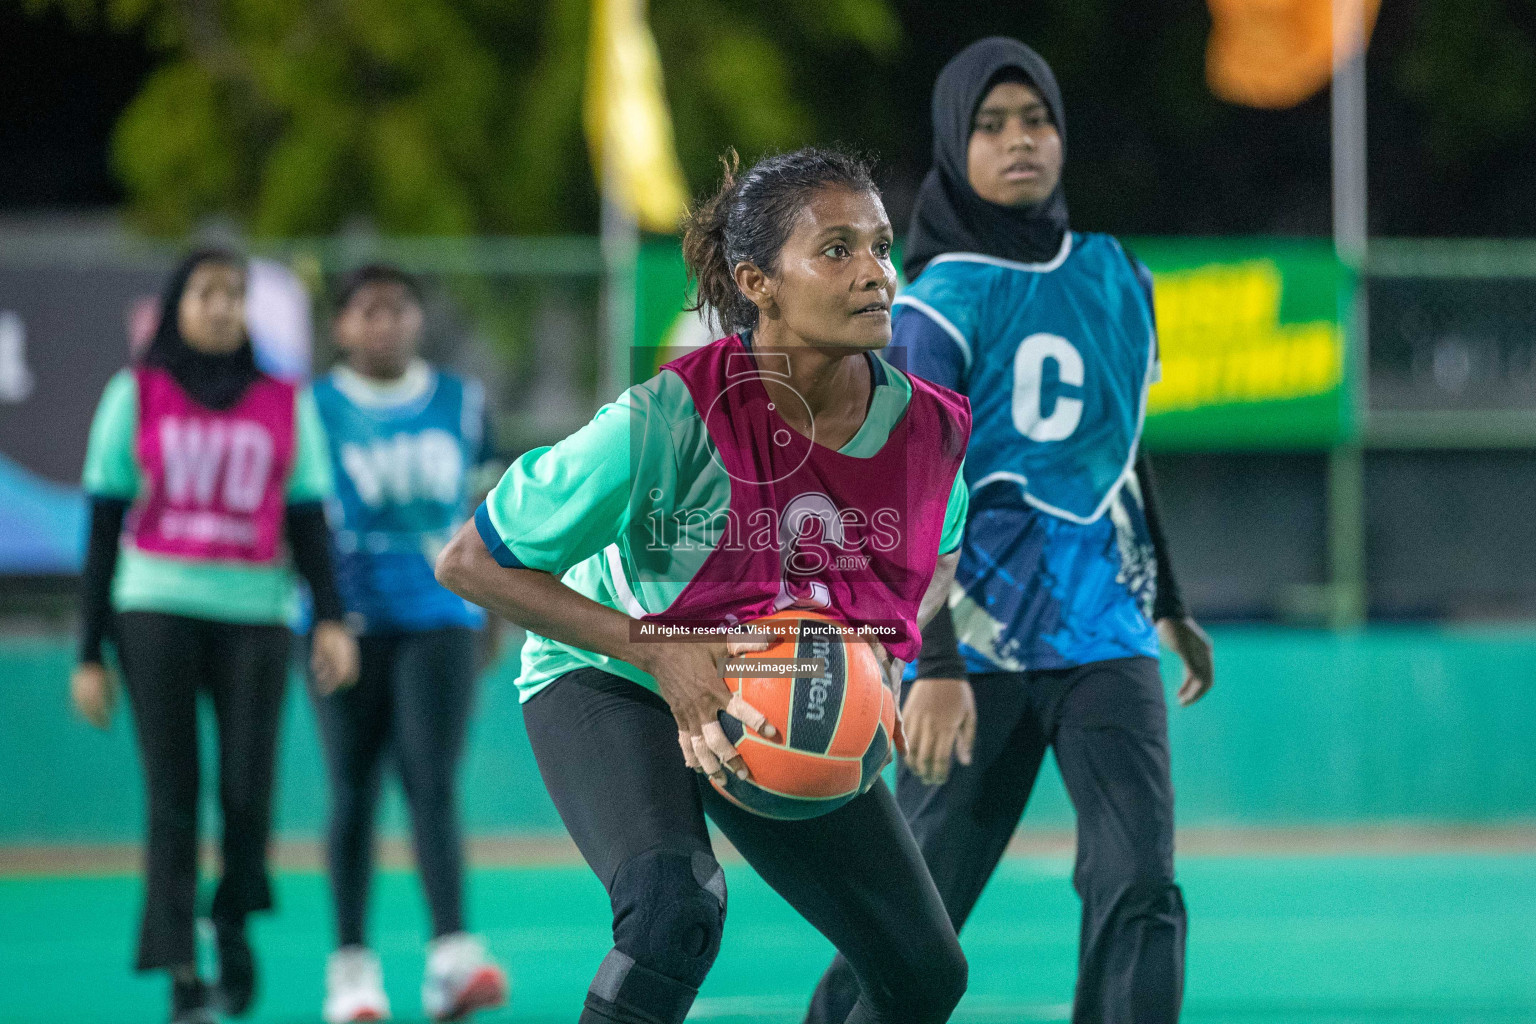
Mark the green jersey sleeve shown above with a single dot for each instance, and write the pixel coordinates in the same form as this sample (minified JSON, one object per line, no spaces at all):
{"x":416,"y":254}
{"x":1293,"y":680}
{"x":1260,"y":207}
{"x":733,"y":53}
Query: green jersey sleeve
{"x":110,"y":468}
{"x":311,"y":479}
{"x":559,"y":505}
{"x":954,"y":515}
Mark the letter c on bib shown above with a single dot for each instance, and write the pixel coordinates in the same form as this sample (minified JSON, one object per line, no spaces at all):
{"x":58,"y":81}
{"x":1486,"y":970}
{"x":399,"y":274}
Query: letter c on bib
{"x":1028,"y":369}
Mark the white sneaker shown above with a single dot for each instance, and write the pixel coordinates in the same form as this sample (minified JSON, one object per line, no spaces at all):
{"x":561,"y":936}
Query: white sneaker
{"x":461,"y":978}
{"x":354,"y":987}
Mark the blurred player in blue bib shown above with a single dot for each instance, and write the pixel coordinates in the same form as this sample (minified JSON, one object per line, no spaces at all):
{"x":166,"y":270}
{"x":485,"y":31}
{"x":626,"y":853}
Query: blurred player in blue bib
{"x":407,"y":442}
{"x":1063,"y":586}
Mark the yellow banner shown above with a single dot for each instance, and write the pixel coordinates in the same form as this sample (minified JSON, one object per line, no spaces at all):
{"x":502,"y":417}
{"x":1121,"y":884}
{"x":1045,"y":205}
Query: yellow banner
{"x":1222,"y":341}
{"x":628,"y":126}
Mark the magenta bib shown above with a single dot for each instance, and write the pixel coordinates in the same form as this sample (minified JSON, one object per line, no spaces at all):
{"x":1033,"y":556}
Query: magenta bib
{"x":809,"y":527}
{"x":215,"y":478}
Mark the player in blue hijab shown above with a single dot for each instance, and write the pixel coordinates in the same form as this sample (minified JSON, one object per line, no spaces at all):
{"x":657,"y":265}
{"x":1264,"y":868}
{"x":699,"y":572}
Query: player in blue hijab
{"x":1064,"y":583}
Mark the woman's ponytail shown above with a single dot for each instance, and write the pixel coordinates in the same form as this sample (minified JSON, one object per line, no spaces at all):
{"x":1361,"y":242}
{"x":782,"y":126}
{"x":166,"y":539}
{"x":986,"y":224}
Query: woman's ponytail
{"x":706,"y":252}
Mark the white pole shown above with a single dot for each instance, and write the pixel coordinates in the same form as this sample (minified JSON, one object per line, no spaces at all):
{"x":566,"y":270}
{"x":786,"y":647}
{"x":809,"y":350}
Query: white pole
{"x":621,"y":249}
{"x":1348,"y":123}
{"x":1346,"y":478}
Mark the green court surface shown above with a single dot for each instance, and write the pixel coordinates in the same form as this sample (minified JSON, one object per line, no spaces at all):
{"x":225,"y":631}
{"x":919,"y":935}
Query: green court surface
{"x":1406,"y":939}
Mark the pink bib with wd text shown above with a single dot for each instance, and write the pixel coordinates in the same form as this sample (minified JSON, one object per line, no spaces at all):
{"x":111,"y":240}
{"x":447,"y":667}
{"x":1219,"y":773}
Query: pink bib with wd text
{"x":215,"y":477}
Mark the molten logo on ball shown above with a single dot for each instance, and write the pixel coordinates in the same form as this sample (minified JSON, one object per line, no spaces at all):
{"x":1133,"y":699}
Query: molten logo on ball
{"x":834,"y":726}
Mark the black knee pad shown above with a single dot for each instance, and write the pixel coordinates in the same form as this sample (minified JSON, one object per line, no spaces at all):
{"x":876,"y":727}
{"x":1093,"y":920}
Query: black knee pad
{"x":668,"y":916}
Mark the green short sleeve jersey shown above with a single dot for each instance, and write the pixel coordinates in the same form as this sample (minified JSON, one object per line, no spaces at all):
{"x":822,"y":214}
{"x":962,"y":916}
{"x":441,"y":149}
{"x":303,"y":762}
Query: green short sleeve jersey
{"x":588,"y":508}
{"x":222,"y":591}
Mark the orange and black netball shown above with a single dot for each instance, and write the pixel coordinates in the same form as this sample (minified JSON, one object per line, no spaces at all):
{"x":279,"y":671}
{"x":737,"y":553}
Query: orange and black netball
{"x":834,"y":725}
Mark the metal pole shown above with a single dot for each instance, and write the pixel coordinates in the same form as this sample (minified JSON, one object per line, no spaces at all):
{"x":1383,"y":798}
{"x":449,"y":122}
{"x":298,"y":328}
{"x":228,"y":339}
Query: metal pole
{"x":1346,"y":465}
{"x":1348,"y":123}
{"x":1346,"y":535}
{"x":621,"y":250}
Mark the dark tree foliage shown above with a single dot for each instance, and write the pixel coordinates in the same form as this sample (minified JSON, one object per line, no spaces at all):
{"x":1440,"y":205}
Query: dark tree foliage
{"x":455,"y":116}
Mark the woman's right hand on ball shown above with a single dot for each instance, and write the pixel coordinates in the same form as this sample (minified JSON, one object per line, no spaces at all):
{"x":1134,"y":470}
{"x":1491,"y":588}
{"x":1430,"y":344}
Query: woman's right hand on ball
{"x":891,"y":671}
{"x":93,"y":689}
{"x":692,"y":683}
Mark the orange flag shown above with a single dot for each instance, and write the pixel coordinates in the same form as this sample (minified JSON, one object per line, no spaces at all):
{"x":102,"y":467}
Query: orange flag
{"x":1277,"y":53}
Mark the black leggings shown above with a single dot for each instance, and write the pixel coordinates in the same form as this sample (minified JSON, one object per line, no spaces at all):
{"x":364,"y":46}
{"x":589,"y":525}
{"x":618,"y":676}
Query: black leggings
{"x":1109,"y":727}
{"x":166,"y":660}
{"x":607,"y":749}
{"x":412,"y":700}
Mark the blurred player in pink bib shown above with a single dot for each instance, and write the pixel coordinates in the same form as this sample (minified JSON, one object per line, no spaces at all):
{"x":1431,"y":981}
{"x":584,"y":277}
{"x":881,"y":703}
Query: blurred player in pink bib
{"x":206,"y":478}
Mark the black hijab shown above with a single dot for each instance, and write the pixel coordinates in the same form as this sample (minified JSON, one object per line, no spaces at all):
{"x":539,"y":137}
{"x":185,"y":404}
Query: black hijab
{"x":949,"y":216}
{"x":214,"y":381}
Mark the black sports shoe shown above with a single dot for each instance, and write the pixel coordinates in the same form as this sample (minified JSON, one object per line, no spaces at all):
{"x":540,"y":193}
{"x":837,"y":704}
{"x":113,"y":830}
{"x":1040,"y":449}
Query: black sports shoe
{"x":237,"y":968}
{"x":190,"y":1003}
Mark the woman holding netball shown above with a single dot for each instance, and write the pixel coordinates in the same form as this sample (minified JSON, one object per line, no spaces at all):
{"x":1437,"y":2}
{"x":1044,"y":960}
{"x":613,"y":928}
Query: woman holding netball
{"x":206,"y":478}
{"x":706,"y":495}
